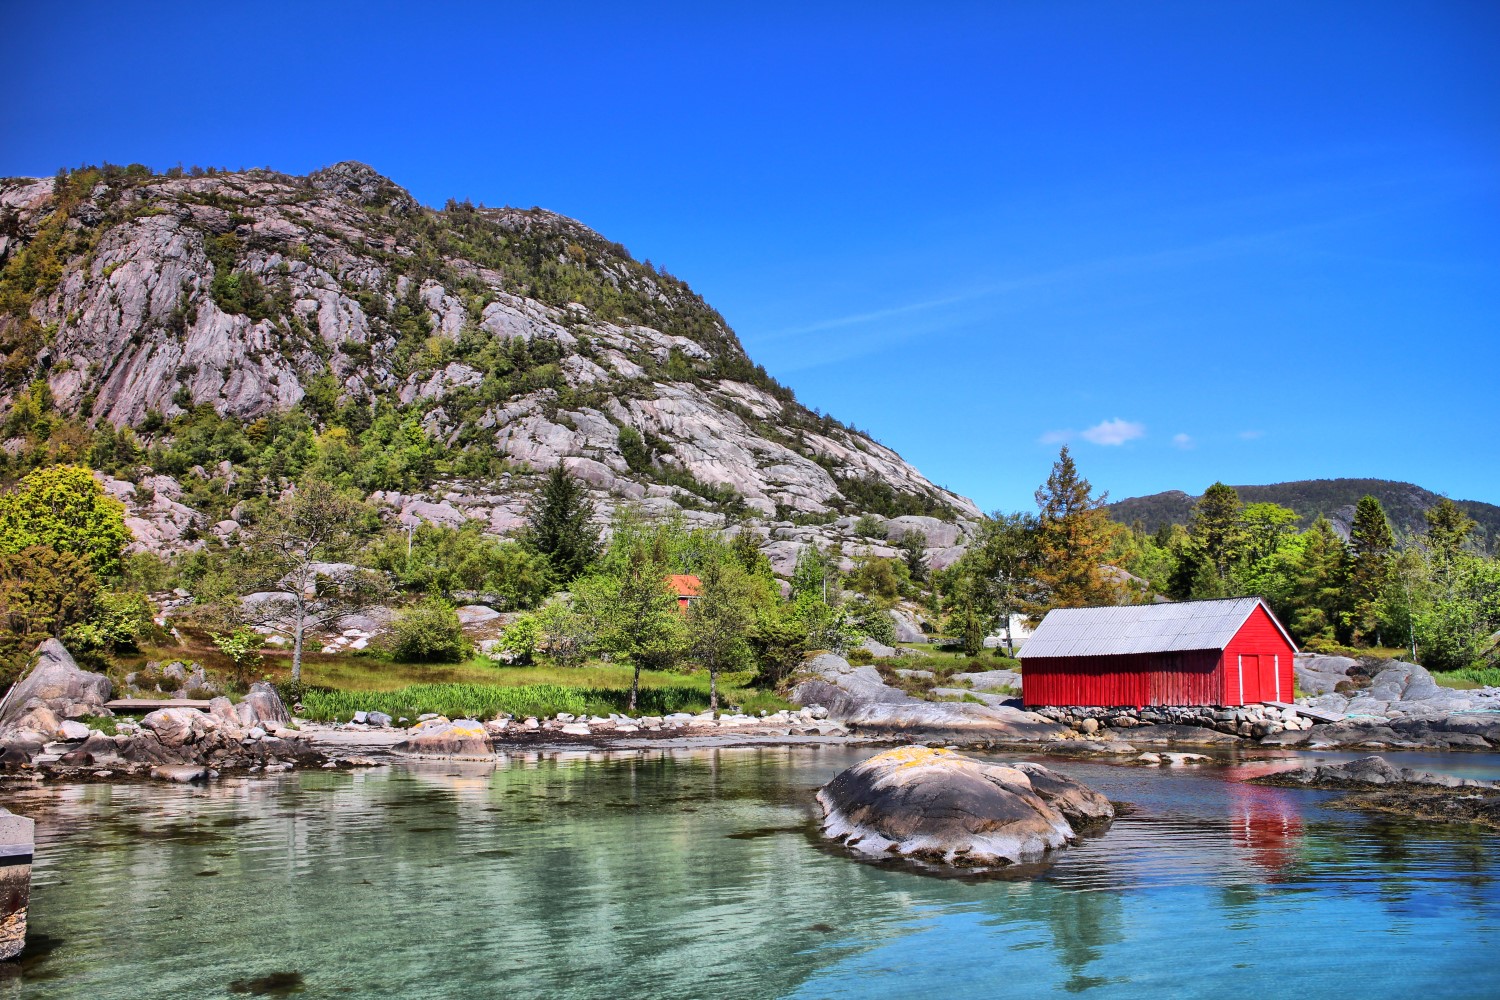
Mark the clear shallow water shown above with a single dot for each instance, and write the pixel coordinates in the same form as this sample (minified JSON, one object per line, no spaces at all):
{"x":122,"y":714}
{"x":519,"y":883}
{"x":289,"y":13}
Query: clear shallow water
{"x":695,"y":874}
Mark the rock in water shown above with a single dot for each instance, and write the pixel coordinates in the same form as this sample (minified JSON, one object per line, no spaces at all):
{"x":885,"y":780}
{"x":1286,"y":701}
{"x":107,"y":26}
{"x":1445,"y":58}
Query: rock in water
{"x":463,"y":738}
{"x":55,"y":689}
{"x":940,"y":806}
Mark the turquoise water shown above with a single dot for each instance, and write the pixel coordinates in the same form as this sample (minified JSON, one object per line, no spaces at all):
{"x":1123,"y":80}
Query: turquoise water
{"x":695,"y":874}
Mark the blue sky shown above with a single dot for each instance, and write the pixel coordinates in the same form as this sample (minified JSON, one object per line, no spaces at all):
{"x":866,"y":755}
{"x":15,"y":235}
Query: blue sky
{"x":1250,"y":242}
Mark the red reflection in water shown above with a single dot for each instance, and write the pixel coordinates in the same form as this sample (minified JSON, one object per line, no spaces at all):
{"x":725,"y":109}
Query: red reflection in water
{"x":1264,"y":822}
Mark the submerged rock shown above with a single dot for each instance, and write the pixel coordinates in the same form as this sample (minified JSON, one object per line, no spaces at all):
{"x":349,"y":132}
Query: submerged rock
{"x":940,"y":806}
{"x":1363,"y":773}
{"x":1376,"y":785}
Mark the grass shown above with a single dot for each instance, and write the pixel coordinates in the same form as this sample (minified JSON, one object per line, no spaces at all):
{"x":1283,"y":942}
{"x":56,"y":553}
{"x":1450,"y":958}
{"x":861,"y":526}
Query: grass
{"x":1469,"y":678}
{"x":342,"y":683}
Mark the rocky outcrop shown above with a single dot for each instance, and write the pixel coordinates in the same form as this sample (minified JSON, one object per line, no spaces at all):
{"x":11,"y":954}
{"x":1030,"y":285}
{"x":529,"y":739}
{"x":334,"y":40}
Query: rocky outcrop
{"x":17,"y":841}
{"x":858,"y":697}
{"x":55,"y":689}
{"x":1376,"y":785}
{"x":1365,"y":772}
{"x":253,"y":292}
{"x":940,"y":806}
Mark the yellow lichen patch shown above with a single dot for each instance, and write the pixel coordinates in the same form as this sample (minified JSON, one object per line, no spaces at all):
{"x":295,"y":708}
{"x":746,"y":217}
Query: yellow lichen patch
{"x":468,"y":731}
{"x":913,"y":756}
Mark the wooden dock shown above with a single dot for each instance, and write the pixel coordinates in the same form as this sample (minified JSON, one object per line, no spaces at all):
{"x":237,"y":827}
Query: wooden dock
{"x":152,"y":704}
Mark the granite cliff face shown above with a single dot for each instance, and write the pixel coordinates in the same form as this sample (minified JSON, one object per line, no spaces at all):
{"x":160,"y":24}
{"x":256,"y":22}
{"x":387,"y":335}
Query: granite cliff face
{"x":518,"y":334}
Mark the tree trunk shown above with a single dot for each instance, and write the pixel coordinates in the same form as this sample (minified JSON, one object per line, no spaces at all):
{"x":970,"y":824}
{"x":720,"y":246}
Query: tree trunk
{"x":713,"y":691}
{"x":297,"y":655}
{"x":635,"y":685}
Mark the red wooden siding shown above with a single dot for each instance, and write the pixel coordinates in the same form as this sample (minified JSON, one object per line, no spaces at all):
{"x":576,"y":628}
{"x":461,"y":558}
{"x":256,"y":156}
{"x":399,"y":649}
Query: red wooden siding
{"x":1267,"y":662}
{"x":1259,"y":653}
{"x":1137,"y":679}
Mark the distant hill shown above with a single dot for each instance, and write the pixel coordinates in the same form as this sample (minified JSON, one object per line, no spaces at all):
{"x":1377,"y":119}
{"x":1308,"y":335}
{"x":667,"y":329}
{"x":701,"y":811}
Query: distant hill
{"x":1404,"y":504}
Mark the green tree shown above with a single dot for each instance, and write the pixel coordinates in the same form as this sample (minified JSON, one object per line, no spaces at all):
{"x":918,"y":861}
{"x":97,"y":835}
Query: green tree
{"x":43,"y":593}
{"x":295,"y":551}
{"x":635,"y":614}
{"x":913,"y":549}
{"x":719,"y":621}
{"x":1319,"y":589}
{"x":881,"y":580}
{"x":444,"y":560}
{"x":1373,"y":546}
{"x":521,"y":639}
{"x":816,"y":573}
{"x":1448,"y":528}
{"x":428,"y":632}
{"x":1265,"y":527}
{"x":1217,"y":529}
{"x":560,"y":525}
{"x":242,"y":645}
{"x":1003,"y":560}
{"x":1073,"y":533}
{"x":65,"y":509}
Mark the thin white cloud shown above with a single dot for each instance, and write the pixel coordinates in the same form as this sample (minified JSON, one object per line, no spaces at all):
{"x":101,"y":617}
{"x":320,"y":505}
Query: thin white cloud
{"x":1184,"y":441}
{"x":1251,"y":435}
{"x":1114,"y":432}
{"x":1056,"y":437}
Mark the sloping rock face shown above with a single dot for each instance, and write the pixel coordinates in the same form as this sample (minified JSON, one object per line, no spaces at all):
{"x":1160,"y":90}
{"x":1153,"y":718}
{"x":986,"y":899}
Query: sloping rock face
{"x":943,"y":807}
{"x":858,"y":697}
{"x":517,"y":335}
{"x":262,"y":706}
{"x":1398,"y":690}
{"x":56,"y":689}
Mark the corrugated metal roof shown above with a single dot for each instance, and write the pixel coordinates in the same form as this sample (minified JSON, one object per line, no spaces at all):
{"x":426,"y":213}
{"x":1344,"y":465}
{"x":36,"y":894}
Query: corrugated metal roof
{"x":1142,"y":628}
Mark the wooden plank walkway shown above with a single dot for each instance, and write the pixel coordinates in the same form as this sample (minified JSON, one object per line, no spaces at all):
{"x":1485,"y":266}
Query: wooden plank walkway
{"x":152,"y":704}
{"x":1315,"y":714}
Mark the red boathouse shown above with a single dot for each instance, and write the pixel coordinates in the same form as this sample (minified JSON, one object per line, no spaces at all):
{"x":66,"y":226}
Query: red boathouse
{"x":1228,"y":652}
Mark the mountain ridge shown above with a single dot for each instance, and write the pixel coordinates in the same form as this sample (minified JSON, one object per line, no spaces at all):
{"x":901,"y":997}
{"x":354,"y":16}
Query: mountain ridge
{"x":1404,"y":504}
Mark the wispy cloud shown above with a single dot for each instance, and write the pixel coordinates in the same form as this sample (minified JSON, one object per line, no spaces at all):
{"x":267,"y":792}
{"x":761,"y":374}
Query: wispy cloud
{"x":1184,"y":441}
{"x":1251,"y":435}
{"x":1106,"y":432}
{"x":1114,"y":432}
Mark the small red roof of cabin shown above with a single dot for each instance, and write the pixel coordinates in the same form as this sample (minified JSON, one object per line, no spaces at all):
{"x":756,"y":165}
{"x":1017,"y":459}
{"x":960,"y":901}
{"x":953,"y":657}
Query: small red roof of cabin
{"x":685,"y":586}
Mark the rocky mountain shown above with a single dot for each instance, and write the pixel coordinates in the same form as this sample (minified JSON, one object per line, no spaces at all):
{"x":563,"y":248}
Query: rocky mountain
{"x":1404,"y":504}
{"x":507,"y":340}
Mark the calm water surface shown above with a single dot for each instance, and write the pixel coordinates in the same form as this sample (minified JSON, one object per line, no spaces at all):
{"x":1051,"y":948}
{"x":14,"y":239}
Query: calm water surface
{"x":695,"y":874}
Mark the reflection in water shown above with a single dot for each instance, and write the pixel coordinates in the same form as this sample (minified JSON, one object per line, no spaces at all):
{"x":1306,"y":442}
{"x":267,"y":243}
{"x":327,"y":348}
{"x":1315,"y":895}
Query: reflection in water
{"x":699,"y":873}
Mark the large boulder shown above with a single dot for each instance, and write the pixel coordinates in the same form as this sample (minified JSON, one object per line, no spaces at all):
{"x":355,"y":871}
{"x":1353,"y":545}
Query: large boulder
{"x":1319,"y":675}
{"x":940,"y":806}
{"x":858,"y":697}
{"x":461,"y":738}
{"x":179,"y":727}
{"x":263,"y":707}
{"x":57,"y":684}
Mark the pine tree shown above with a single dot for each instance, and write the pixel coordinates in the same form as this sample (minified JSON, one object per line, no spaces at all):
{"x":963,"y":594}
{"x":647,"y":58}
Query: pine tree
{"x":1448,"y":528}
{"x":913,"y":549}
{"x":1217,"y":530}
{"x":1318,"y":601}
{"x":560,"y":525}
{"x":1073,"y":533}
{"x":1373,"y":547}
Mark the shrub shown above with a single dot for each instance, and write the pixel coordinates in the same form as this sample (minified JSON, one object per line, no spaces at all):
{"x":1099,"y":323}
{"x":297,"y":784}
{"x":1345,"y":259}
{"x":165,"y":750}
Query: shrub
{"x":429,"y":632}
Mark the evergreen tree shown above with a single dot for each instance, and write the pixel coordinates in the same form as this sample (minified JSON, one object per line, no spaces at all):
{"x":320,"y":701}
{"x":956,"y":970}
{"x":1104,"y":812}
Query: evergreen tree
{"x":1319,"y":586}
{"x":1217,"y":530}
{"x":1448,"y":528}
{"x":913,"y":549}
{"x":1373,"y":546}
{"x":560,"y":525}
{"x":1073,"y":534}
